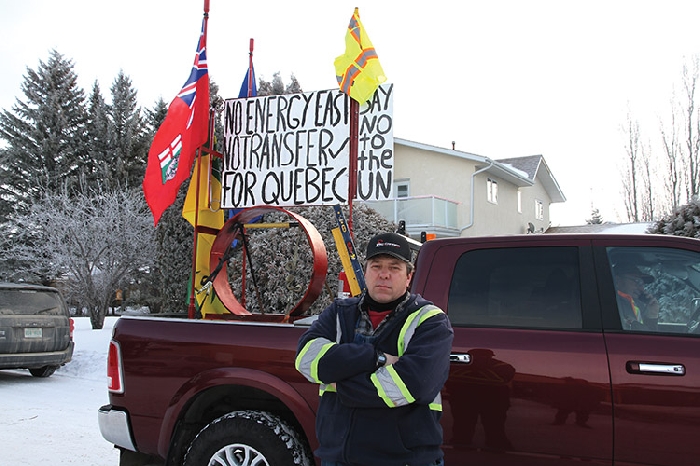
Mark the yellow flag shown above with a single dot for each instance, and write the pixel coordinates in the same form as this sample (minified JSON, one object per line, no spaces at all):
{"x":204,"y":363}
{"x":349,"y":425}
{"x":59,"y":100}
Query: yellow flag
{"x":358,"y":71}
{"x":207,"y":302}
{"x":210,"y":215}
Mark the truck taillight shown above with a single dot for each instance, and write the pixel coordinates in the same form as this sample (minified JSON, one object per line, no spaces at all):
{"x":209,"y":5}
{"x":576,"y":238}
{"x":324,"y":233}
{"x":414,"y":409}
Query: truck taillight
{"x":72,"y":328}
{"x":115,"y":381}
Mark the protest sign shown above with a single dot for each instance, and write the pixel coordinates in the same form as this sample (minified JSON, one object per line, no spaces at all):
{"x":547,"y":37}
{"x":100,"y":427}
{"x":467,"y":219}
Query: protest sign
{"x":294,"y":149}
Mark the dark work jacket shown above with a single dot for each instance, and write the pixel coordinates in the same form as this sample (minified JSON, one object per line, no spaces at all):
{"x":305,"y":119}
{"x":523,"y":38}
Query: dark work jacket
{"x":367,"y":420}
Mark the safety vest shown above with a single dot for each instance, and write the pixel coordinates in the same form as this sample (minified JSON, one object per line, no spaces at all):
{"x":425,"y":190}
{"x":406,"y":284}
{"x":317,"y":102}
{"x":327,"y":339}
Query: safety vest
{"x":390,"y":387}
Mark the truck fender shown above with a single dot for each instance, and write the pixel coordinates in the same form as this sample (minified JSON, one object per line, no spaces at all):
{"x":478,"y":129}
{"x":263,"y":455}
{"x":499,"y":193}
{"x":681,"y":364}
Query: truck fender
{"x":234,"y":376}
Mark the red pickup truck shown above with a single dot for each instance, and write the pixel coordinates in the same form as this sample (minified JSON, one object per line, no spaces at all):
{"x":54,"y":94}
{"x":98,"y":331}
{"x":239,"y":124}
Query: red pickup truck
{"x":551,"y":364}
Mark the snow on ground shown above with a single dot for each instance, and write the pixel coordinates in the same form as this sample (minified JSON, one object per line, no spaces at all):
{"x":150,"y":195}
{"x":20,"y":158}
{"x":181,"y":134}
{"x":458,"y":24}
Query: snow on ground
{"x":54,"y":420}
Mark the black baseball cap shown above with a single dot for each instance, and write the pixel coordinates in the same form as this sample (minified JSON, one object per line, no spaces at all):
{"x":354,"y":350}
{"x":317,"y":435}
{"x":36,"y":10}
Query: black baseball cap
{"x":392,"y":244}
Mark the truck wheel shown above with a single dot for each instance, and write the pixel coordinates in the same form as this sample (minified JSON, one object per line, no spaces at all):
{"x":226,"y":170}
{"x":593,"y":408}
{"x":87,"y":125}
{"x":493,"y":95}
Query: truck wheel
{"x":43,"y":371}
{"x":247,"y":438}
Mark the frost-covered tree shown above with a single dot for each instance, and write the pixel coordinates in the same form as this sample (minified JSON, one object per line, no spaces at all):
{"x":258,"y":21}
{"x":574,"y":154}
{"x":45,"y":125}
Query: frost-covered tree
{"x":282,"y":263}
{"x":217,"y":104}
{"x":684,"y":221}
{"x":277,"y":87}
{"x":45,"y":133}
{"x":6,"y":195}
{"x":94,"y":243}
{"x":293,"y":87}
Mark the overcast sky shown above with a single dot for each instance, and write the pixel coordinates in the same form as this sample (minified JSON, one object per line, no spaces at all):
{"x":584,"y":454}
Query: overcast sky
{"x":500,"y":78}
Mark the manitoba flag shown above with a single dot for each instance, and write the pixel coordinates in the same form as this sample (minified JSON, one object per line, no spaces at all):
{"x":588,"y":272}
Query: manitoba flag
{"x":185,"y":128}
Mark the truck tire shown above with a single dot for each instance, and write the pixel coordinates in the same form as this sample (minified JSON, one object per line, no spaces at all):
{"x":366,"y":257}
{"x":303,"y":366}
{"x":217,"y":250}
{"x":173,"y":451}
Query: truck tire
{"x":248,"y":438}
{"x":44,"y":371}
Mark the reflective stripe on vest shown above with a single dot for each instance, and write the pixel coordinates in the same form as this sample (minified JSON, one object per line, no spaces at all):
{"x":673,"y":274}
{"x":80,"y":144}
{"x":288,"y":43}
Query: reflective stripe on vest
{"x":307,"y":360}
{"x":390,"y":387}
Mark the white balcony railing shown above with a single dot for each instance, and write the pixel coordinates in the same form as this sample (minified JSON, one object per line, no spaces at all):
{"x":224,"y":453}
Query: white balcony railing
{"x":421,"y":213}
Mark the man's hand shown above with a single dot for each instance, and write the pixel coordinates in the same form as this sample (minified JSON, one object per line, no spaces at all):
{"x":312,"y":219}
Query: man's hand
{"x":390,"y":359}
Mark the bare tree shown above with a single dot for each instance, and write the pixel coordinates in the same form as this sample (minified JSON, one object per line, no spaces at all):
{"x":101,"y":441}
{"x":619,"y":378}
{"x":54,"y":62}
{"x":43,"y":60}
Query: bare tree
{"x":670,"y":139}
{"x":692,"y":126}
{"x":655,"y":184}
{"x":647,"y":191}
{"x":95,"y":243}
{"x":630,"y":171}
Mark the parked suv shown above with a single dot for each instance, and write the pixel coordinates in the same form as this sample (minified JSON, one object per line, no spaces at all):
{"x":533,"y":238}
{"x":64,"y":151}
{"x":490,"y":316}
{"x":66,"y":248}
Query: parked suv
{"x":36,"y":331}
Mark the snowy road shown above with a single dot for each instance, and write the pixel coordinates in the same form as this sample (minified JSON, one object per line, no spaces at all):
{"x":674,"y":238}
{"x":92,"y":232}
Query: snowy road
{"x":54,"y":420}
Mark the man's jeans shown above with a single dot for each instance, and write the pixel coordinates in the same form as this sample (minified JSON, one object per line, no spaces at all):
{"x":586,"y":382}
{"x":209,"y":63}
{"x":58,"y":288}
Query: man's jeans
{"x":333,"y":463}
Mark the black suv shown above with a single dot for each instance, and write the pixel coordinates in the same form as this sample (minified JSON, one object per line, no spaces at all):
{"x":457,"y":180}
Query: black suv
{"x":35,"y":329}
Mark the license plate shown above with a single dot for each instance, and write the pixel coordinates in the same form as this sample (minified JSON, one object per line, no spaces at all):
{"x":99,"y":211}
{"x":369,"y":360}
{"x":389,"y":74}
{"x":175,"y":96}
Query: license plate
{"x":32,"y":333}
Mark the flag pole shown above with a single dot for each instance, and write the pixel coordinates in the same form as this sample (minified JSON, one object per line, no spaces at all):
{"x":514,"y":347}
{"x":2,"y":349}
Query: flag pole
{"x":352,"y":181}
{"x":250,"y":69}
{"x":244,"y":263}
{"x":191,"y":309}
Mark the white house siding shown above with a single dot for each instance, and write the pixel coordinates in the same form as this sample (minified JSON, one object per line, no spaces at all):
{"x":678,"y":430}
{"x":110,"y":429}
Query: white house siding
{"x":434,"y":173}
{"x":448,"y":174}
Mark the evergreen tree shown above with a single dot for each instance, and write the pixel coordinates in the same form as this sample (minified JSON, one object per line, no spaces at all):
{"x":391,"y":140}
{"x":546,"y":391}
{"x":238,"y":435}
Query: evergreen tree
{"x":293,"y":87}
{"x":45,"y":133}
{"x":98,"y":128}
{"x":277,"y":87}
{"x":217,"y":103}
{"x":684,"y":221}
{"x":6,"y":194}
{"x":154,"y":117}
{"x":167,"y":285}
{"x":282,"y":262}
{"x":596,"y":218}
{"x":127,"y":141}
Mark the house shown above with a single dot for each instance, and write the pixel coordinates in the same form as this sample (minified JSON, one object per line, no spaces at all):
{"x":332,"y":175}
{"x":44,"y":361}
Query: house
{"x":449,"y":193}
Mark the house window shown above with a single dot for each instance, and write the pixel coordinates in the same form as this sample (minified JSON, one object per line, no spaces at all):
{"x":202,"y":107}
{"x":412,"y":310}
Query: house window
{"x":492,"y":191}
{"x":401,"y":189}
{"x":520,"y":202}
{"x":539,"y":210}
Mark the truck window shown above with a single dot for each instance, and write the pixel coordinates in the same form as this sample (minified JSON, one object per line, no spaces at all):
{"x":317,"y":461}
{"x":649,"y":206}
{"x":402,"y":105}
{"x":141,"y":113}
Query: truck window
{"x":657,"y":289}
{"x":533,"y":287}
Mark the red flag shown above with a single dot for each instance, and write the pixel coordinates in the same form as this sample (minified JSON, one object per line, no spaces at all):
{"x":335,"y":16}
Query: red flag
{"x":185,"y":128}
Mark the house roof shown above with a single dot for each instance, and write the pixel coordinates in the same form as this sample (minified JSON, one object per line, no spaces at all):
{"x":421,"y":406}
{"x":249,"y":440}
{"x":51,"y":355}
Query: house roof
{"x":441,"y":150}
{"x":534,"y":166}
{"x":528,"y":164}
{"x":521,"y":171}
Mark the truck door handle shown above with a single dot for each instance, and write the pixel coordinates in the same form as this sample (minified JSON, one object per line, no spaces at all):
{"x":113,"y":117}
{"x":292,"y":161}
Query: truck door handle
{"x":461,"y":358}
{"x":636,"y":367}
